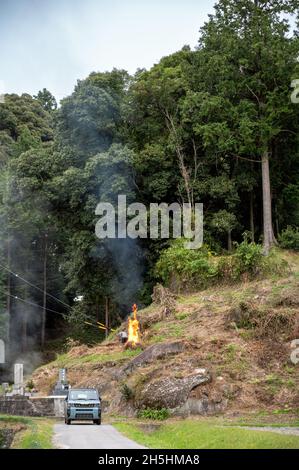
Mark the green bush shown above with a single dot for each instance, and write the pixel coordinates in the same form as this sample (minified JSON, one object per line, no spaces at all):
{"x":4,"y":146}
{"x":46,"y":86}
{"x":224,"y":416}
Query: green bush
{"x":192,"y":265}
{"x":289,"y":238}
{"x":249,"y":257}
{"x":181,"y":268}
{"x":30,"y":384}
{"x":228,"y":268}
{"x":126,"y":392}
{"x":150,"y":413}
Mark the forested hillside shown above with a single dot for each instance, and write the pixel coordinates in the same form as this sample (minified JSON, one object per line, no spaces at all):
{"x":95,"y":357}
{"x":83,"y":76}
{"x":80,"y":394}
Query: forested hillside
{"x":214,"y":125}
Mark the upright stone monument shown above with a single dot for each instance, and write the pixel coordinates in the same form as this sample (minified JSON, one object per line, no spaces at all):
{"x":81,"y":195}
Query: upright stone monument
{"x":61,"y":387}
{"x":18,"y":388}
{"x":62,"y":376}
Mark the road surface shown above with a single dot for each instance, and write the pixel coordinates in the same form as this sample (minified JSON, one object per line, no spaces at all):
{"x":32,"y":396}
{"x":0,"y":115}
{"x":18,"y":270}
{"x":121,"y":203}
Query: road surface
{"x":91,"y":436}
{"x":292,"y":431}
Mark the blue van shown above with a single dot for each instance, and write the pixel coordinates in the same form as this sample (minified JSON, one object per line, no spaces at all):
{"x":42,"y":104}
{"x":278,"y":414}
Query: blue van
{"x":82,"y":404}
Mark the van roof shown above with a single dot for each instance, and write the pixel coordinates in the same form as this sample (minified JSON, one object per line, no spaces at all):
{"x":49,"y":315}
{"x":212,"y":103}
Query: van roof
{"x":82,"y":389}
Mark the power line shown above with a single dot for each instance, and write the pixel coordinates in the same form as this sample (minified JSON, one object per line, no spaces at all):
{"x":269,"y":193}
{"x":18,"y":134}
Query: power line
{"x":32,"y":285}
{"x":33,"y":304}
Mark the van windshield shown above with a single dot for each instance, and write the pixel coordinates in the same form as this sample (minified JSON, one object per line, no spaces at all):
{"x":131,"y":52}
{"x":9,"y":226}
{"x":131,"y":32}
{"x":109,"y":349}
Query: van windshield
{"x":83,"y":395}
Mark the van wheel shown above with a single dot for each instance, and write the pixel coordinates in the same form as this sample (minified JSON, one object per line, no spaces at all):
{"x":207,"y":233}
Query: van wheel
{"x":67,"y":421}
{"x":97,"y":421}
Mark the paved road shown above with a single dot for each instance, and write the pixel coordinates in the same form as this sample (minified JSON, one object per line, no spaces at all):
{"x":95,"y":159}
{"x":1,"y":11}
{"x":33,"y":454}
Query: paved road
{"x":91,"y":436}
{"x":292,"y":431}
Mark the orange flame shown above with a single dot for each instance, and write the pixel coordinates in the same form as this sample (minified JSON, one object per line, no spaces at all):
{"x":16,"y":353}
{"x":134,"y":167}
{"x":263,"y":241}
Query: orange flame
{"x":133,"y":328}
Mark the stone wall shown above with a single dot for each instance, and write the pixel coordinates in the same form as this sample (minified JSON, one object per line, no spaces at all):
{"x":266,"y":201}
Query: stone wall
{"x":6,"y":437}
{"x":32,"y":406}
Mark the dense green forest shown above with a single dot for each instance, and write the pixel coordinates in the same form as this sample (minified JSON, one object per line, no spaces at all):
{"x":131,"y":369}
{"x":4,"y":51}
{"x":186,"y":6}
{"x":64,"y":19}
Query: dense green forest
{"x":214,"y":125}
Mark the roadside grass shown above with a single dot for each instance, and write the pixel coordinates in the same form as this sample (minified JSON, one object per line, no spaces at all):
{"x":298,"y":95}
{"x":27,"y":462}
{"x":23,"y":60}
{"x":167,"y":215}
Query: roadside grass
{"x":279,"y":417}
{"x":193,"y":434}
{"x":6,"y":419}
{"x":9,"y":427}
{"x":36,"y":433}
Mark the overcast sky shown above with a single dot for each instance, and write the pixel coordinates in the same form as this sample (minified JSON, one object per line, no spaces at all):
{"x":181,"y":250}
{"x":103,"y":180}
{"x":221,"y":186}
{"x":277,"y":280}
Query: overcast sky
{"x":52,"y":43}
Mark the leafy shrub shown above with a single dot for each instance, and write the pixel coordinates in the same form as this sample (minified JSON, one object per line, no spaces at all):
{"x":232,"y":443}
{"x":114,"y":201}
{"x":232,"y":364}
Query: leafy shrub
{"x":289,"y":238}
{"x":228,"y":267}
{"x":192,"y":265}
{"x":150,"y":413}
{"x":249,"y":256}
{"x":126,"y":392}
{"x":30,"y":384}
{"x":181,"y":268}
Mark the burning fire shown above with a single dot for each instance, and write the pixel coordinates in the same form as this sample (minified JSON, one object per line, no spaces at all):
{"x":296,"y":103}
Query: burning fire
{"x":133,"y":329}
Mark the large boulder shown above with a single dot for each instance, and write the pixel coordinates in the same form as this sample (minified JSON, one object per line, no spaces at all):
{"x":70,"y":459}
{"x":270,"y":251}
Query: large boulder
{"x":208,"y":399}
{"x":153,"y":353}
{"x":171,"y":392}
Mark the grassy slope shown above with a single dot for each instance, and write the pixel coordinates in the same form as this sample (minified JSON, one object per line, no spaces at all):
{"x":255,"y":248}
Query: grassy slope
{"x":33,"y":433}
{"x":258,"y":366}
{"x":195,"y":434}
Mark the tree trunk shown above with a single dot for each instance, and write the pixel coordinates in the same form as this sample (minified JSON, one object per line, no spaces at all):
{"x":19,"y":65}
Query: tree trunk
{"x":251,"y":217}
{"x":43,"y":325}
{"x":229,"y":240}
{"x":97,"y":311}
{"x":276,"y":215}
{"x":269,"y":239}
{"x":277,"y":227}
{"x":181,"y":160}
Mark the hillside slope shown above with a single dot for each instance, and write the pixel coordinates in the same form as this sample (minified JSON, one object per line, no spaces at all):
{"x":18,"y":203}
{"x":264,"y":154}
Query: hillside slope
{"x":222,"y":350}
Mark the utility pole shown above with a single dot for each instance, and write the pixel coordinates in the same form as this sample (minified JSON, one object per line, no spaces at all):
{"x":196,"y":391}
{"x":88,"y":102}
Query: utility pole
{"x":107,"y":316}
{"x":26,"y":313}
{"x":43,"y":326}
{"x":8,"y":298}
{"x":8,"y":301}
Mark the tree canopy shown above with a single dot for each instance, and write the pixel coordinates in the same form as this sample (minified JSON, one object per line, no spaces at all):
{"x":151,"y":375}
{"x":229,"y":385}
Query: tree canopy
{"x":214,"y":125}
